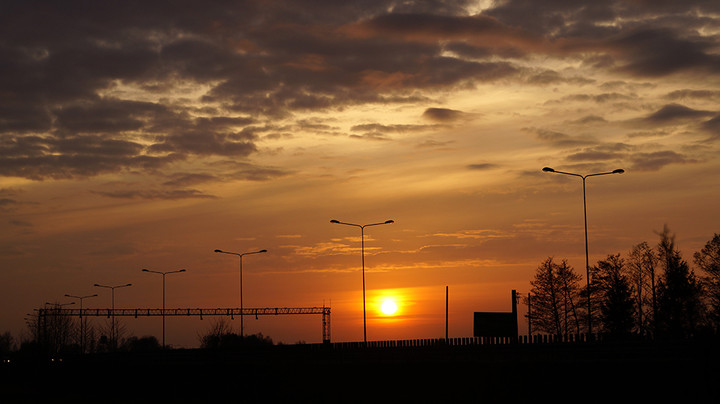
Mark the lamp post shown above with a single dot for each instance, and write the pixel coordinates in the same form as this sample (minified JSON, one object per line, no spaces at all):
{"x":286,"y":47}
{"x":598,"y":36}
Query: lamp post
{"x":362,"y":247}
{"x":163,"y":297}
{"x":587,"y":258}
{"x":82,"y":325}
{"x":112,"y":325}
{"x":242,"y":331}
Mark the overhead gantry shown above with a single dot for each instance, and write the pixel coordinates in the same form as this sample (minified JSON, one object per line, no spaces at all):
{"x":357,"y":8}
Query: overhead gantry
{"x":195,"y":312}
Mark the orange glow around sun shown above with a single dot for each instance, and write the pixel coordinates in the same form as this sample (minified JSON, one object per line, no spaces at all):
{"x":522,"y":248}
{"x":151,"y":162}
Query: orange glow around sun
{"x":388,"y":307}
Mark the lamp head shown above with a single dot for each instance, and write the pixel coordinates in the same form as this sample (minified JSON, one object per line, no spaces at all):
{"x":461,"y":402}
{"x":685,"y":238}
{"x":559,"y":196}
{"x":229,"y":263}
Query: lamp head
{"x":618,"y":171}
{"x":389,"y":221}
{"x":262,"y":251}
{"x":334,"y":221}
{"x":218,"y":250}
{"x":548,"y":170}
{"x":145,"y":270}
{"x":182,"y":270}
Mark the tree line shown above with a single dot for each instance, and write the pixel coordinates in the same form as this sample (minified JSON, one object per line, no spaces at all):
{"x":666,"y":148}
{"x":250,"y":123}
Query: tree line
{"x":651,"y":292}
{"x":59,"y":334}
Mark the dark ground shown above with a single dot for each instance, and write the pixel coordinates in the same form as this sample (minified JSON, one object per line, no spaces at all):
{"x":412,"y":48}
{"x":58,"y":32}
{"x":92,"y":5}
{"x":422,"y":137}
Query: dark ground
{"x":557,"y":373}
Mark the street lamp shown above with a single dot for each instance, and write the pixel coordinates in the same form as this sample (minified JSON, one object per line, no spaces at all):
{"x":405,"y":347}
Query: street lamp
{"x":163,"y":297}
{"x":362,"y":244}
{"x":587,"y":259}
{"x":242,"y":331}
{"x":82,"y":326}
{"x":112,"y":288}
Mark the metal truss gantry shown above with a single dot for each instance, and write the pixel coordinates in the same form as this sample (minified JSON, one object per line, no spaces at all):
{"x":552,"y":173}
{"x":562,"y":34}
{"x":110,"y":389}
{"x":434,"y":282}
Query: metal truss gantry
{"x":197,"y":312}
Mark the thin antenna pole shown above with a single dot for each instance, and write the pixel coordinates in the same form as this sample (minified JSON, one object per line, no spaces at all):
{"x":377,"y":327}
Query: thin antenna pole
{"x":446,"y":313}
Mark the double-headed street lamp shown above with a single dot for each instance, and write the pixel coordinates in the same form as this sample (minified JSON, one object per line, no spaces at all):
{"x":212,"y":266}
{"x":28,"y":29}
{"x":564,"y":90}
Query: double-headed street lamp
{"x":112,"y":288}
{"x":242,"y":331}
{"x":82,"y":325}
{"x":362,"y":244}
{"x":587,"y":258}
{"x":163,"y":297}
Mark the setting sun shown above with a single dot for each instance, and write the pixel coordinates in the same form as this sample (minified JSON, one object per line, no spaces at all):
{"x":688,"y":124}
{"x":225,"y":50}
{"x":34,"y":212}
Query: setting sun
{"x":388,"y":307}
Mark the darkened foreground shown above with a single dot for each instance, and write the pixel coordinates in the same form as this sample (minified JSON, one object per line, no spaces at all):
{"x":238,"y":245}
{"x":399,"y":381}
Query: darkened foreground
{"x":588,"y":372}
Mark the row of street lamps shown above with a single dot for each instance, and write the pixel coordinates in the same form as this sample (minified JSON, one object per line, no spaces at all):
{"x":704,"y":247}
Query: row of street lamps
{"x":362,"y":243}
{"x":112,"y":288}
{"x":545,"y":169}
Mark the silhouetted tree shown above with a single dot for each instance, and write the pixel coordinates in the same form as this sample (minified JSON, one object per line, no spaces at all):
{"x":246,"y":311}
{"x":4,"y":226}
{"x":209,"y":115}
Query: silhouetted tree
{"x":212,"y":337}
{"x":642,"y":264}
{"x":108,"y":341}
{"x":708,"y":260}
{"x":680,"y":308}
{"x":7,"y":343}
{"x":144,"y":344}
{"x":52,"y":330}
{"x":571,"y":293}
{"x":221,"y":337}
{"x":614,"y":295}
{"x":554,"y":295}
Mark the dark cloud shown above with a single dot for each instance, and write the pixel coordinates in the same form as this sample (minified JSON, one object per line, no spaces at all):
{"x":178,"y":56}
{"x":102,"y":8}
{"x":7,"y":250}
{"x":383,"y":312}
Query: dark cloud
{"x":376,"y":131}
{"x":548,"y":77}
{"x":251,"y":172}
{"x":398,"y":128}
{"x":482,"y":166}
{"x":431,"y":143}
{"x":633,"y":156}
{"x":155,"y":194}
{"x":674,"y":113}
{"x":371,"y":136}
{"x":589,"y":120}
{"x":592,"y":155}
{"x":39,"y":167}
{"x":601,"y":98}
{"x":656,"y":160}
{"x":7,"y":204}
{"x":71,"y":71}
{"x":652,"y":52}
{"x":694,"y":94}
{"x":601,"y":152}
{"x":712,"y":126}
{"x":442,"y":114}
{"x":186,"y":179}
{"x":559,"y":139}
{"x":202,"y":143}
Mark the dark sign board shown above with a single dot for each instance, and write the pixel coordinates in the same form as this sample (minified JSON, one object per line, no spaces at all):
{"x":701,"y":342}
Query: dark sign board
{"x":493,"y":324}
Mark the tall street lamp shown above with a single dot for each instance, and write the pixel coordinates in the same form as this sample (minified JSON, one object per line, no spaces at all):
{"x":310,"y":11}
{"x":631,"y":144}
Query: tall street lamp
{"x":242,"y":331}
{"x":163,"y":297}
{"x":362,"y":246}
{"x":587,"y":259}
{"x":113,"y":330}
{"x":82,"y":325}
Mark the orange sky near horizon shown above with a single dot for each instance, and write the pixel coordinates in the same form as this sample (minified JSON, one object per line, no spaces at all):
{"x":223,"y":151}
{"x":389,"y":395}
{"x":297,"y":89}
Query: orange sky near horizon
{"x":151,"y":142}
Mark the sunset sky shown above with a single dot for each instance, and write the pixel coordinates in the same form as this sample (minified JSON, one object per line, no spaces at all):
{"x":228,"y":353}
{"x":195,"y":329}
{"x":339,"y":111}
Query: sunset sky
{"x":147,"y":134}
